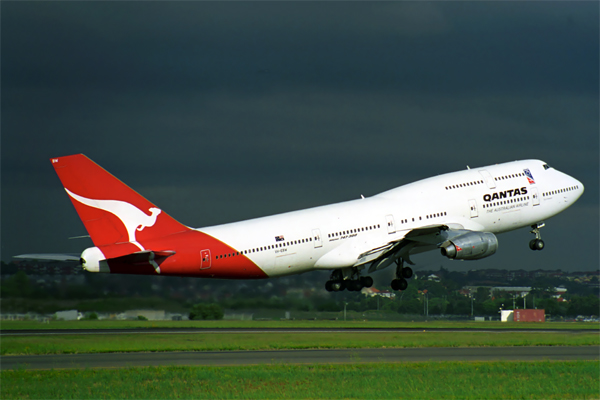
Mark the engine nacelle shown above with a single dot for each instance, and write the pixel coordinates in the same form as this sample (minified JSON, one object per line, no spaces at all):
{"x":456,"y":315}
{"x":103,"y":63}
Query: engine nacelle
{"x":470,"y":246}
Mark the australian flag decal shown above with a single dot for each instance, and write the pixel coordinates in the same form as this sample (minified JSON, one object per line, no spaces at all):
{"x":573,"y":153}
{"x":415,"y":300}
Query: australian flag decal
{"x":279,"y":238}
{"x":529,"y":176}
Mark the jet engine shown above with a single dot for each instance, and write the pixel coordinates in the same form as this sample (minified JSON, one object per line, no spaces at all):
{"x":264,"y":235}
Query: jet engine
{"x":470,"y":246}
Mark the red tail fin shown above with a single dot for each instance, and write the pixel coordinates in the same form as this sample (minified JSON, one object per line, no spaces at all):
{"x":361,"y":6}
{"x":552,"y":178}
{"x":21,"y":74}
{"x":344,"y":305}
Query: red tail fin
{"x":111,"y":211}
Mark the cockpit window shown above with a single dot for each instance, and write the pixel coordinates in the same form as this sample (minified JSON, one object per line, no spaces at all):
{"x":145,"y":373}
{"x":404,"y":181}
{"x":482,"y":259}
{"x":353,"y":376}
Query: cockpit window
{"x":546,"y":166}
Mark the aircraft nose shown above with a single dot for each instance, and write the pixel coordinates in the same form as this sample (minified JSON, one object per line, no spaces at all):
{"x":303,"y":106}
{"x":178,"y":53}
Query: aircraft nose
{"x":578,"y":187}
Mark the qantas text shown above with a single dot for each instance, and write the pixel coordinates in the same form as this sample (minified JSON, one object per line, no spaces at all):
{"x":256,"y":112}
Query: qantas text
{"x":505,"y":194}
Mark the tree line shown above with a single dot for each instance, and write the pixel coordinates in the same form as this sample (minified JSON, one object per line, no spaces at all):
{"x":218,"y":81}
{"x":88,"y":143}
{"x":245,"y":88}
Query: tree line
{"x":115,"y":293}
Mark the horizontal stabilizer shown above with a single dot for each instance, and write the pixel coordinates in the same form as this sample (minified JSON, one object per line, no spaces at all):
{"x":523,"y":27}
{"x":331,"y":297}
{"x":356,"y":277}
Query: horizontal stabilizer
{"x":140,"y":262}
{"x":142,"y":257}
{"x":48,"y":257}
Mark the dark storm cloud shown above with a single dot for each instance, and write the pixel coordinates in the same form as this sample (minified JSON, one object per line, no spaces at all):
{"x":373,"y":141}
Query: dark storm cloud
{"x":261,"y":46}
{"x":226,"y":111}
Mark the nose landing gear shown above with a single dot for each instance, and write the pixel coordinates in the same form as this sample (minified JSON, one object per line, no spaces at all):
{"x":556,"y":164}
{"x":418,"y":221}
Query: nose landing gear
{"x":537,"y":243}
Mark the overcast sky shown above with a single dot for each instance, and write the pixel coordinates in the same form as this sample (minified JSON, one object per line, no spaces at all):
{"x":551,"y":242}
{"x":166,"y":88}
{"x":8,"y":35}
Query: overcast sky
{"x":218,"y":112}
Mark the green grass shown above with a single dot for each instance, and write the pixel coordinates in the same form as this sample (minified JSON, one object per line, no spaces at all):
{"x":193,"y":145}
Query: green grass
{"x":69,"y":344}
{"x":112,"y":324}
{"x":437,"y":380}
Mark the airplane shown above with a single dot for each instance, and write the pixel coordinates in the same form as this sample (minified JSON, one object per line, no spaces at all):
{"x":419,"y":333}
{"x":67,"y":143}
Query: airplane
{"x":458,"y":214}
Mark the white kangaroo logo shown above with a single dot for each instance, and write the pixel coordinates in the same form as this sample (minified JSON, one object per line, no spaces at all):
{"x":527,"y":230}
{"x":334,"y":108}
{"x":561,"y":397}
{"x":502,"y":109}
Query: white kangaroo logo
{"x":132,"y":217}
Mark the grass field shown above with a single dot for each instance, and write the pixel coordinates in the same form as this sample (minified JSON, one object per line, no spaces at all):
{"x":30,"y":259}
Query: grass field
{"x":438,"y":380}
{"x":112,"y":324}
{"x":99,"y":343}
{"x":432,"y":380}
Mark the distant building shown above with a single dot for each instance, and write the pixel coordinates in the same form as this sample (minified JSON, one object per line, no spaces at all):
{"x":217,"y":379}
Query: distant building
{"x":70,"y":315}
{"x":151,"y":315}
{"x":560,"y":291}
{"x":239,"y":316}
{"x":372,"y":292}
{"x":506,"y":315}
{"x":520,"y":291}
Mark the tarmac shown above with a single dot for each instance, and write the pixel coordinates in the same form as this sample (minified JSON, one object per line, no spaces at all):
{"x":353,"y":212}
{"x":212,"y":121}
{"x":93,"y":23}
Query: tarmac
{"x":337,"y":356}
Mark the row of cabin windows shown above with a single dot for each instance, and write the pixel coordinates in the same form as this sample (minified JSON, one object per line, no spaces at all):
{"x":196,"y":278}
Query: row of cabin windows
{"x":498,"y":178}
{"x":435,"y":215}
{"x":263,"y":248}
{"x":564,"y":190}
{"x":460,"y":185}
{"x":351,"y":231}
{"x":509,"y":176}
{"x":429,"y":216}
{"x":509,"y":201}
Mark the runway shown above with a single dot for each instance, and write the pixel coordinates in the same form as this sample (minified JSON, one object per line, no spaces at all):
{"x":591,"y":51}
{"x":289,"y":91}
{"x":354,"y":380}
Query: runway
{"x":338,"y":356}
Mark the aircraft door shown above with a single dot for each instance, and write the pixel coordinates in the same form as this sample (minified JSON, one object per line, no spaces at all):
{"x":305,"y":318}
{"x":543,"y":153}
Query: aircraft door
{"x":391,"y":226}
{"x":489,"y":179}
{"x":535,"y":197}
{"x":473,"y":207}
{"x":205,"y":259}
{"x":317,"y":238}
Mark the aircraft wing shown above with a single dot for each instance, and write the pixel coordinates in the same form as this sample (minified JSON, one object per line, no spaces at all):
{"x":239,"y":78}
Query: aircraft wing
{"x":381,"y":254}
{"x":380,"y":258}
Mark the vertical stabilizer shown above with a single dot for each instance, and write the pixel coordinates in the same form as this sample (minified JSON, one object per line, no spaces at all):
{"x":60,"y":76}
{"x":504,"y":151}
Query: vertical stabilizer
{"x":111,"y":211}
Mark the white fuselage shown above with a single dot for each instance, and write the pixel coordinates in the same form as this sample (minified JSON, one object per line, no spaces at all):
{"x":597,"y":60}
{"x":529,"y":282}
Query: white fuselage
{"x":496,"y":198}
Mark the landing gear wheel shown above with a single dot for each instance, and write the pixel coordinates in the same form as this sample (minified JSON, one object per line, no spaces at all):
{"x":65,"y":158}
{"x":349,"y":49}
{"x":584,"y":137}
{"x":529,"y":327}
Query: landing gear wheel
{"x":366,"y":281}
{"x":402,"y":274}
{"x":354,"y":285}
{"x":338,"y":286}
{"x":399,"y":284}
{"x":329,"y":286}
{"x":537,"y":244}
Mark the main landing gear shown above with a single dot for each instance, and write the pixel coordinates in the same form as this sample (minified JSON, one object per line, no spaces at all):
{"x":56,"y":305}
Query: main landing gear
{"x":347,"y":279}
{"x":402,"y":274}
{"x":537,"y":243}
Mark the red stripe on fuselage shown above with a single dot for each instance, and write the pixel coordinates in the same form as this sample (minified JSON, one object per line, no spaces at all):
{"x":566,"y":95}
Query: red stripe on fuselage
{"x":187,"y":260}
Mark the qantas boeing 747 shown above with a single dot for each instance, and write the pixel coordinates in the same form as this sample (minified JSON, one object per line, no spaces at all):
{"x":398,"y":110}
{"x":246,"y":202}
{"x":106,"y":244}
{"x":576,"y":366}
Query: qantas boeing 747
{"x":457,"y":213}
